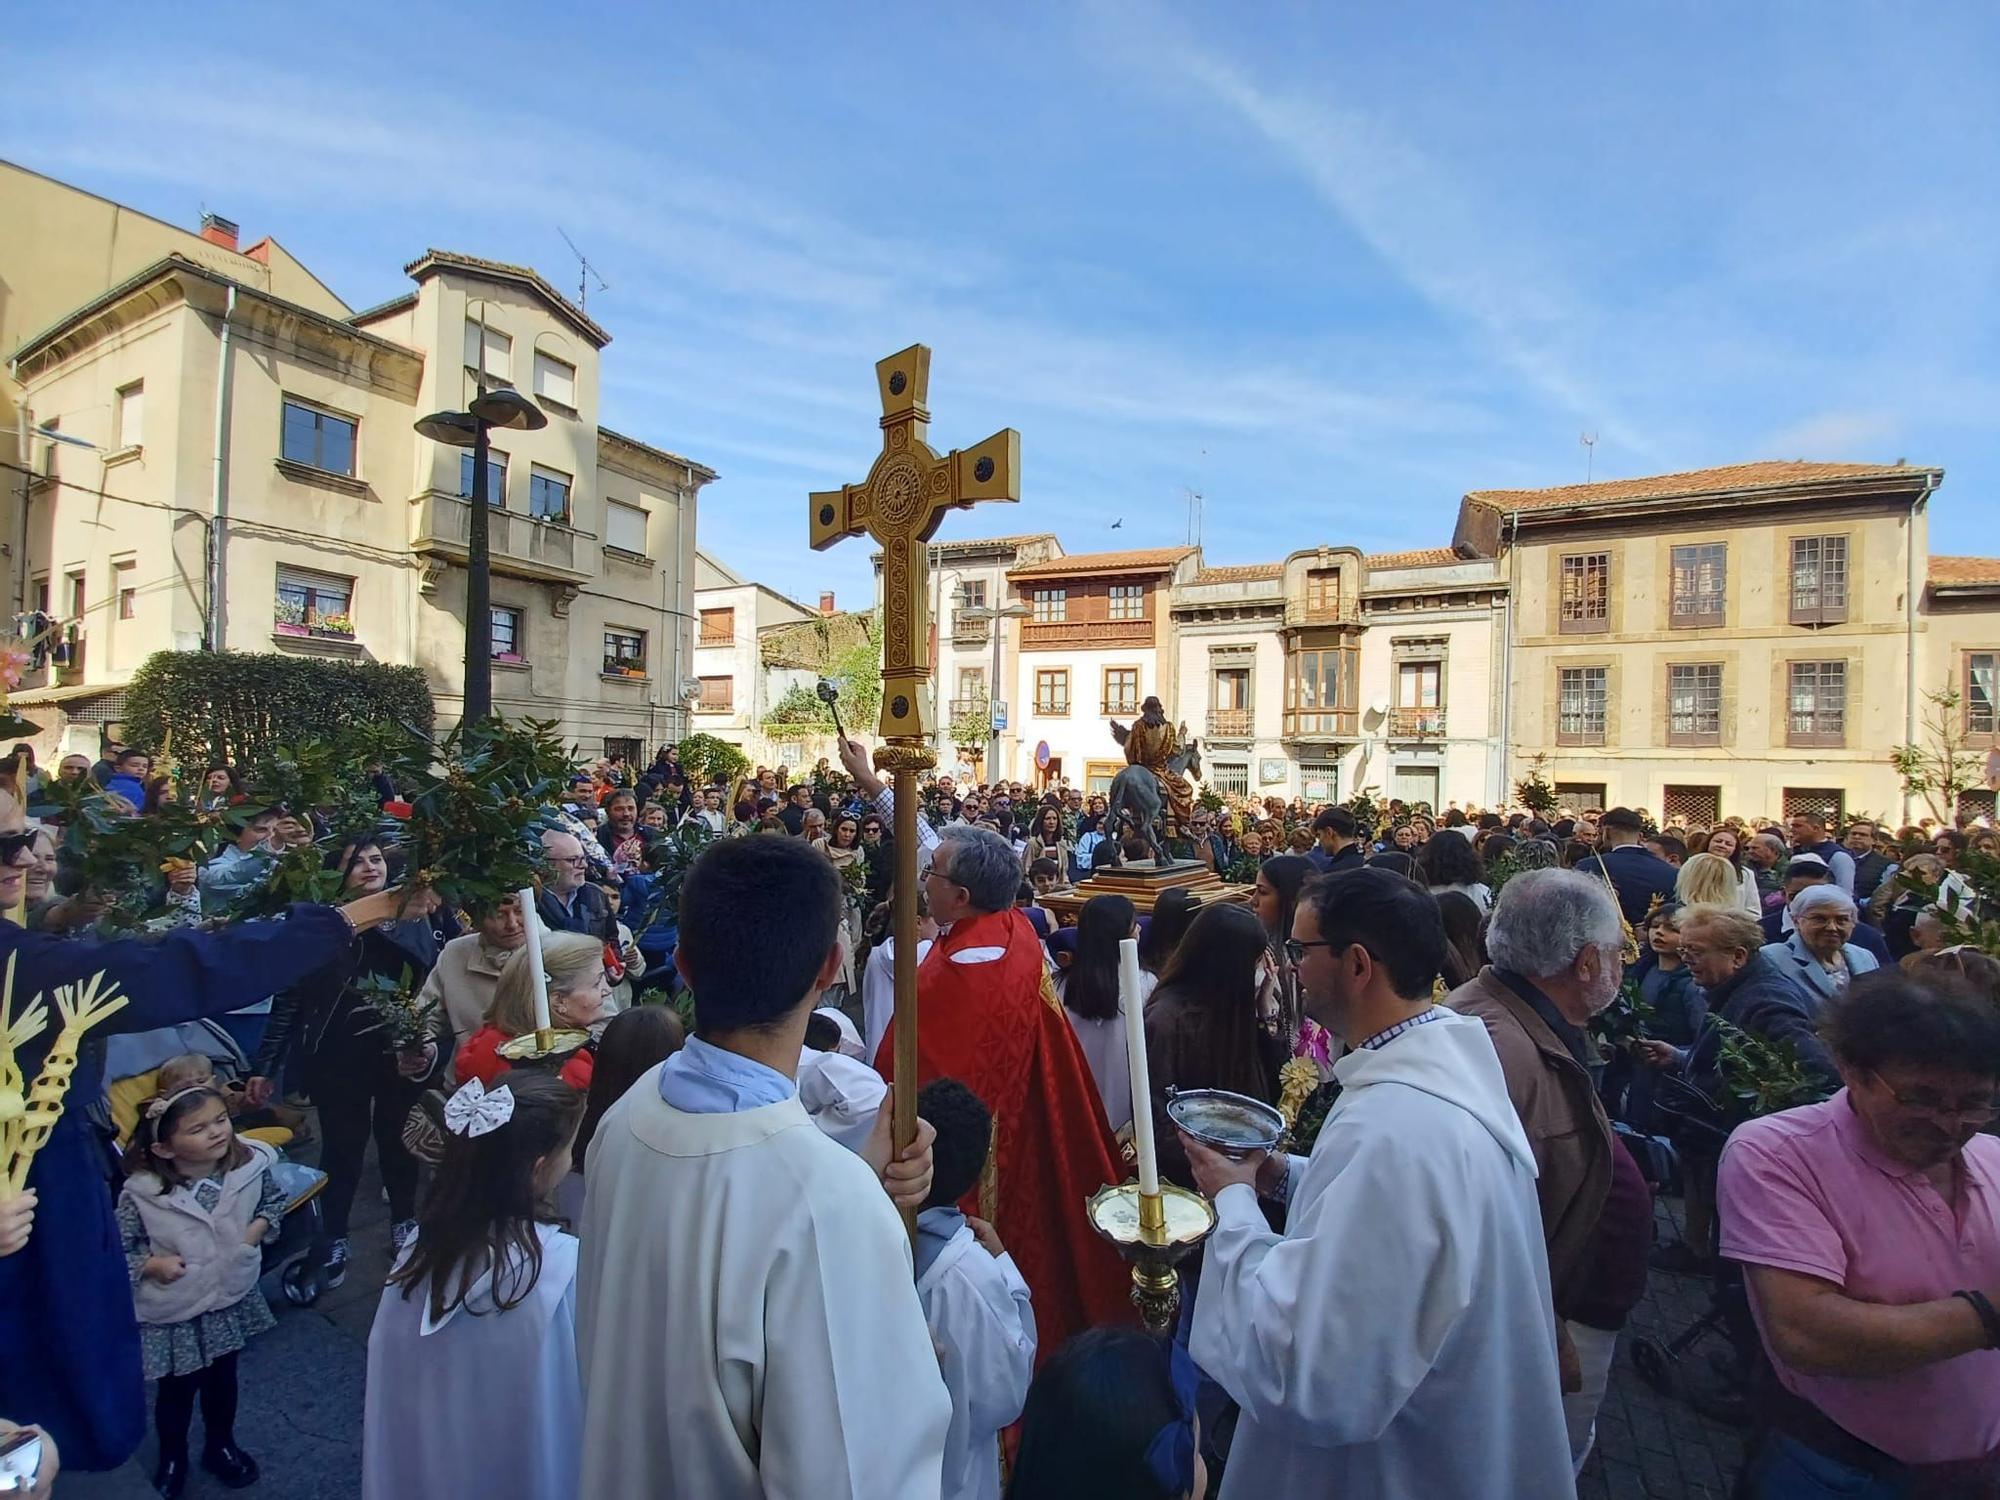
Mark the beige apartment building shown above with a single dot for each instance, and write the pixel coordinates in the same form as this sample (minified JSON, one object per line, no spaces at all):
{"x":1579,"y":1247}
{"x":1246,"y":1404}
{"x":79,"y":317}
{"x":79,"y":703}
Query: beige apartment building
{"x":239,"y":469}
{"x":1753,"y":639}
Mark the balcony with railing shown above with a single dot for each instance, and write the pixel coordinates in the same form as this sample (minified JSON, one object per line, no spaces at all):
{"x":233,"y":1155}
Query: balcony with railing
{"x":1230,"y":724}
{"x":1302,"y":611}
{"x":1416,"y":723}
{"x":1058,"y":635}
{"x":963,"y":706}
{"x":968,"y":632}
{"x":1322,"y":723}
{"x":518,"y":545}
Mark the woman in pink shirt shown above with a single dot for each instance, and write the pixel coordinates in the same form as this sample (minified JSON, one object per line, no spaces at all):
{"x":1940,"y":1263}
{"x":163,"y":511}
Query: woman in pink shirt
{"x":1869,"y":1229}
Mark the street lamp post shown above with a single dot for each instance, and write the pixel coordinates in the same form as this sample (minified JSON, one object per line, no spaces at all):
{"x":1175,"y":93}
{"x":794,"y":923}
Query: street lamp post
{"x":995,"y":615}
{"x":502,"y":407}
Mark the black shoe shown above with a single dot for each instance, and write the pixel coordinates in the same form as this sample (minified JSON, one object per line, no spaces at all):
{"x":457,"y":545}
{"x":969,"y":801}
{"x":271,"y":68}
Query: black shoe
{"x":235,"y":1469}
{"x":334,"y":1272}
{"x":171,"y":1477}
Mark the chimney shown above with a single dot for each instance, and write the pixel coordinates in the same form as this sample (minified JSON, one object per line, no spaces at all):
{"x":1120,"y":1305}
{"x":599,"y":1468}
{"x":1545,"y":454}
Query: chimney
{"x":218,"y":231}
{"x":826,"y":601}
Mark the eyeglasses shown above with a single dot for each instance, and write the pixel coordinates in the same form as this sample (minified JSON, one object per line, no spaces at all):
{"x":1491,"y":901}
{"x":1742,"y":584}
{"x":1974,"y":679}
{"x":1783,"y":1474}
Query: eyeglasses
{"x":1978,"y":1113}
{"x":567,"y":859}
{"x":11,"y":844}
{"x":1295,"y":949}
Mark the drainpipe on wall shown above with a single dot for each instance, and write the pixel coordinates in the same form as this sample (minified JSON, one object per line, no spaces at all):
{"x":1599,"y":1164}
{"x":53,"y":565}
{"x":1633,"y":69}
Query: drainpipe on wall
{"x":218,"y":577}
{"x":1507,"y":658}
{"x":1910,"y":626}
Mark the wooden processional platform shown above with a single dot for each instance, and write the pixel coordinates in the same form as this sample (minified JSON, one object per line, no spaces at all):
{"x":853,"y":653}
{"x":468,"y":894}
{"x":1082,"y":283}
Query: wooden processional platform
{"x":1142,"y":884}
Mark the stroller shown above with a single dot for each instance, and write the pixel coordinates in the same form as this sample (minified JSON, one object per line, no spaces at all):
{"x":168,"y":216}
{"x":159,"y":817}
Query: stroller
{"x":1699,"y":1127}
{"x":131,"y":1077}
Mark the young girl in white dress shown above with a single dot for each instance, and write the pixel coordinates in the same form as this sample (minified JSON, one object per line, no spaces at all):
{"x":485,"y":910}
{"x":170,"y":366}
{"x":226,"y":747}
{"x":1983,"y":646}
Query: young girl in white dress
{"x":472,"y":1374}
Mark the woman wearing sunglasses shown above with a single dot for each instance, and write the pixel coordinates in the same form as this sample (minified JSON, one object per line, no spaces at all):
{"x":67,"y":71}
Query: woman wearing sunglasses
{"x":69,"y":1343}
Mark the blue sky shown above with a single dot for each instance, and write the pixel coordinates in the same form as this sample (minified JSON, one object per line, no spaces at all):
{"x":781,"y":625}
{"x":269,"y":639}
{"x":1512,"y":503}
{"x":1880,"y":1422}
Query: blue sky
{"x":1329,"y":265}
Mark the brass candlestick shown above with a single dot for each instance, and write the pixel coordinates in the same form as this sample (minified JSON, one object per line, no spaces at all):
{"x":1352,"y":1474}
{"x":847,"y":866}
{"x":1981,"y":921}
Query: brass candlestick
{"x":1154,"y":1233}
{"x":533,"y":1046}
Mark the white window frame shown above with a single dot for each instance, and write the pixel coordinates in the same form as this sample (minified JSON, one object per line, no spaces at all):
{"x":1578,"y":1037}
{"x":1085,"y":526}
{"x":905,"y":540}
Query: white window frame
{"x":555,"y":381}
{"x":131,"y":416}
{"x":552,"y":476}
{"x":613,"y":520}
{"x":498,"y":348}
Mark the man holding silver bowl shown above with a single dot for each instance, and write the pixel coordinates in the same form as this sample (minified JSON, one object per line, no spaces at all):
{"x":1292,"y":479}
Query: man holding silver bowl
{"x":1397,"y":1339}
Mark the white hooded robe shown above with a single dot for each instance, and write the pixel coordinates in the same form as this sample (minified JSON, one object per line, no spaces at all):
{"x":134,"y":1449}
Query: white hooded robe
{"x":1398,"y":1341}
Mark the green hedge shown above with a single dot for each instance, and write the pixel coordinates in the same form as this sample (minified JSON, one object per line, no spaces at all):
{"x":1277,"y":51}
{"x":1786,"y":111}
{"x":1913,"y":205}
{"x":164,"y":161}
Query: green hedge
{"x":234,"y":705}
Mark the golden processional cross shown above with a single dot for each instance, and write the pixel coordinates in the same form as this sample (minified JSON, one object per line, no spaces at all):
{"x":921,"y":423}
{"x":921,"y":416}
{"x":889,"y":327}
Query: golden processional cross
{"x":901,"y":504}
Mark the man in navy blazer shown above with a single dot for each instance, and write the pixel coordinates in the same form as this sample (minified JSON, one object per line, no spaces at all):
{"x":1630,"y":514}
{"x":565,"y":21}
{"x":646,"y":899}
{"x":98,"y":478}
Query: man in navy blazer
{"x":1637,"y":875}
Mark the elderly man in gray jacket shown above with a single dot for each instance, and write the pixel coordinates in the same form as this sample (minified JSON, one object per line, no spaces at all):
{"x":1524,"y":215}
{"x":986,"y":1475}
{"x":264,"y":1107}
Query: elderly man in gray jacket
{"x":1556,"y":942}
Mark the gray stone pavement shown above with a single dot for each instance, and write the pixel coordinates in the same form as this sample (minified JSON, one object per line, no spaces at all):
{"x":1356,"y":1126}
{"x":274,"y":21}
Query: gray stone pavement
{"x":302,"y":1381}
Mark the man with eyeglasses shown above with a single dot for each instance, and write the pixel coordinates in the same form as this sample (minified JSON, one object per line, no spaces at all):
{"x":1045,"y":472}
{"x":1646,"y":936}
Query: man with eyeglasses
{"x":1869,"y":1227}
{"x":1398,"y":1339}
{"x":569,"y":902}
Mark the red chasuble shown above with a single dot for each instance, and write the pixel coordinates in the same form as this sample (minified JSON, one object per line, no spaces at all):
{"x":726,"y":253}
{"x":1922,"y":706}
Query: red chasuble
{"x":999,"y":1029}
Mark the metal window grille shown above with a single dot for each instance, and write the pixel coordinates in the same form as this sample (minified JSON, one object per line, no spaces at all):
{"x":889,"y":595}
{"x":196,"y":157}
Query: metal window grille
{"x":1691,"y":806}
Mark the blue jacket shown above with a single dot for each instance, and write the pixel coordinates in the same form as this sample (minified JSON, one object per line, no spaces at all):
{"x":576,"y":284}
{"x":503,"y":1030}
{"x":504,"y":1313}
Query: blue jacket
{"x":1792,"y":957}
{"x":1637,"y":875}
{"x":1764,"y":999}
{"x":69,"y":1342}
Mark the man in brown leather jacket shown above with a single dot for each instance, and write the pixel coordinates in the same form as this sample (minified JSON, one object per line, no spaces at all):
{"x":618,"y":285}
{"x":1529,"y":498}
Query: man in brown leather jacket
{"x":1555,"y":940}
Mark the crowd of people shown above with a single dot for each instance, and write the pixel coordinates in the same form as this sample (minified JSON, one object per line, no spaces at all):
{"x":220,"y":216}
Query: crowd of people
{"x":664,"y":1256}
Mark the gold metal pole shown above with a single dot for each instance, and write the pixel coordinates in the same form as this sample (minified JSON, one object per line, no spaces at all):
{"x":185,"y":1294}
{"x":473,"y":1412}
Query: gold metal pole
{"x":905,"y":923}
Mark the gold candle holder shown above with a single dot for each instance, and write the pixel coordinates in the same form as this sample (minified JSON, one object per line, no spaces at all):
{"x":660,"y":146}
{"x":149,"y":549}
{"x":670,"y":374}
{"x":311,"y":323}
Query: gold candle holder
{"x":1155,"y":1232}
{"x":533,"y":1046}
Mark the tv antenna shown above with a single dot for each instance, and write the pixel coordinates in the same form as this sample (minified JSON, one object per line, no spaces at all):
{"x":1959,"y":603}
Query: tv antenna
{"x":1194,"y":499}
{"x":1589,"y":441}
{"x":586,"y":272}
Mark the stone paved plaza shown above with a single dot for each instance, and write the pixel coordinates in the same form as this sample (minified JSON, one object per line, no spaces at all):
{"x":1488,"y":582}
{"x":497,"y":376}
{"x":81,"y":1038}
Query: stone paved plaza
{"x":301,"y":1414}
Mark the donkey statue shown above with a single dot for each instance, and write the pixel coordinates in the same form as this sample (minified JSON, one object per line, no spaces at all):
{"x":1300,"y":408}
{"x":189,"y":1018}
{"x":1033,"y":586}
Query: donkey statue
{"x":1136,"y":803}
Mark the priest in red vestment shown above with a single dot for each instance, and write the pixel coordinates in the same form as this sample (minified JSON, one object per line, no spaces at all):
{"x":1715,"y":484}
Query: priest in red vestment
{"x":988,"y":1016}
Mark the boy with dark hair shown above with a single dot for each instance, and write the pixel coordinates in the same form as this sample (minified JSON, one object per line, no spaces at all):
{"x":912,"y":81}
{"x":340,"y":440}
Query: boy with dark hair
{"x":974,"y":1299}
{"x":787,"y":1354}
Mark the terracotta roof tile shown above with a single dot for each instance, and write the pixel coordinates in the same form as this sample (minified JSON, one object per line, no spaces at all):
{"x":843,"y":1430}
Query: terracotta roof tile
{"x":1421,"y":557}
{"x":1961,"y":571}
{"x":1772,"y":475}
{"x":1242,"y":573}
{"x":527,"y":275}
{"x":1160,"y":559}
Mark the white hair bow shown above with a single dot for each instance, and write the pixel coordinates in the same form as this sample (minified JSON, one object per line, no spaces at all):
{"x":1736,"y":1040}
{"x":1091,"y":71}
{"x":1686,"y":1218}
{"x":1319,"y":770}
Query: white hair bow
{"x":472,"y":1111}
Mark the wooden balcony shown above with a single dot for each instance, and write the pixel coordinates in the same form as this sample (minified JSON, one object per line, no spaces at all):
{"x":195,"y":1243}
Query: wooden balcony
{"x":1081,"y":635}
{"x":1322,"y":723}
{"x":1230,"y":724}
{"x":547,"y":551}
{"x":1416,"y":723}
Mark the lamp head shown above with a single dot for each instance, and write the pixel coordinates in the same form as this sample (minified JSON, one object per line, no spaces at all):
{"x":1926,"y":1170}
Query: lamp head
{"x":455,"y":429}
{"x":507,"y":407}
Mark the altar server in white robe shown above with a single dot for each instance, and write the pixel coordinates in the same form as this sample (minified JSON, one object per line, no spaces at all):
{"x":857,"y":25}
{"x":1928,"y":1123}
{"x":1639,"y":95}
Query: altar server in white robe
{"x":748,"y":1321}
{"x":1398,"y":1340}
{"x":472,"y":1380}
{"x":841,"y":1093}
{"x":981,"y":1316}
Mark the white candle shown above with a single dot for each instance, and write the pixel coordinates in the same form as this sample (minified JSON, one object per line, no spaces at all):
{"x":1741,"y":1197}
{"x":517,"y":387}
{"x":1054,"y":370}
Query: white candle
{"x":538,"y":983}
{"x":1135,"y":1057}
